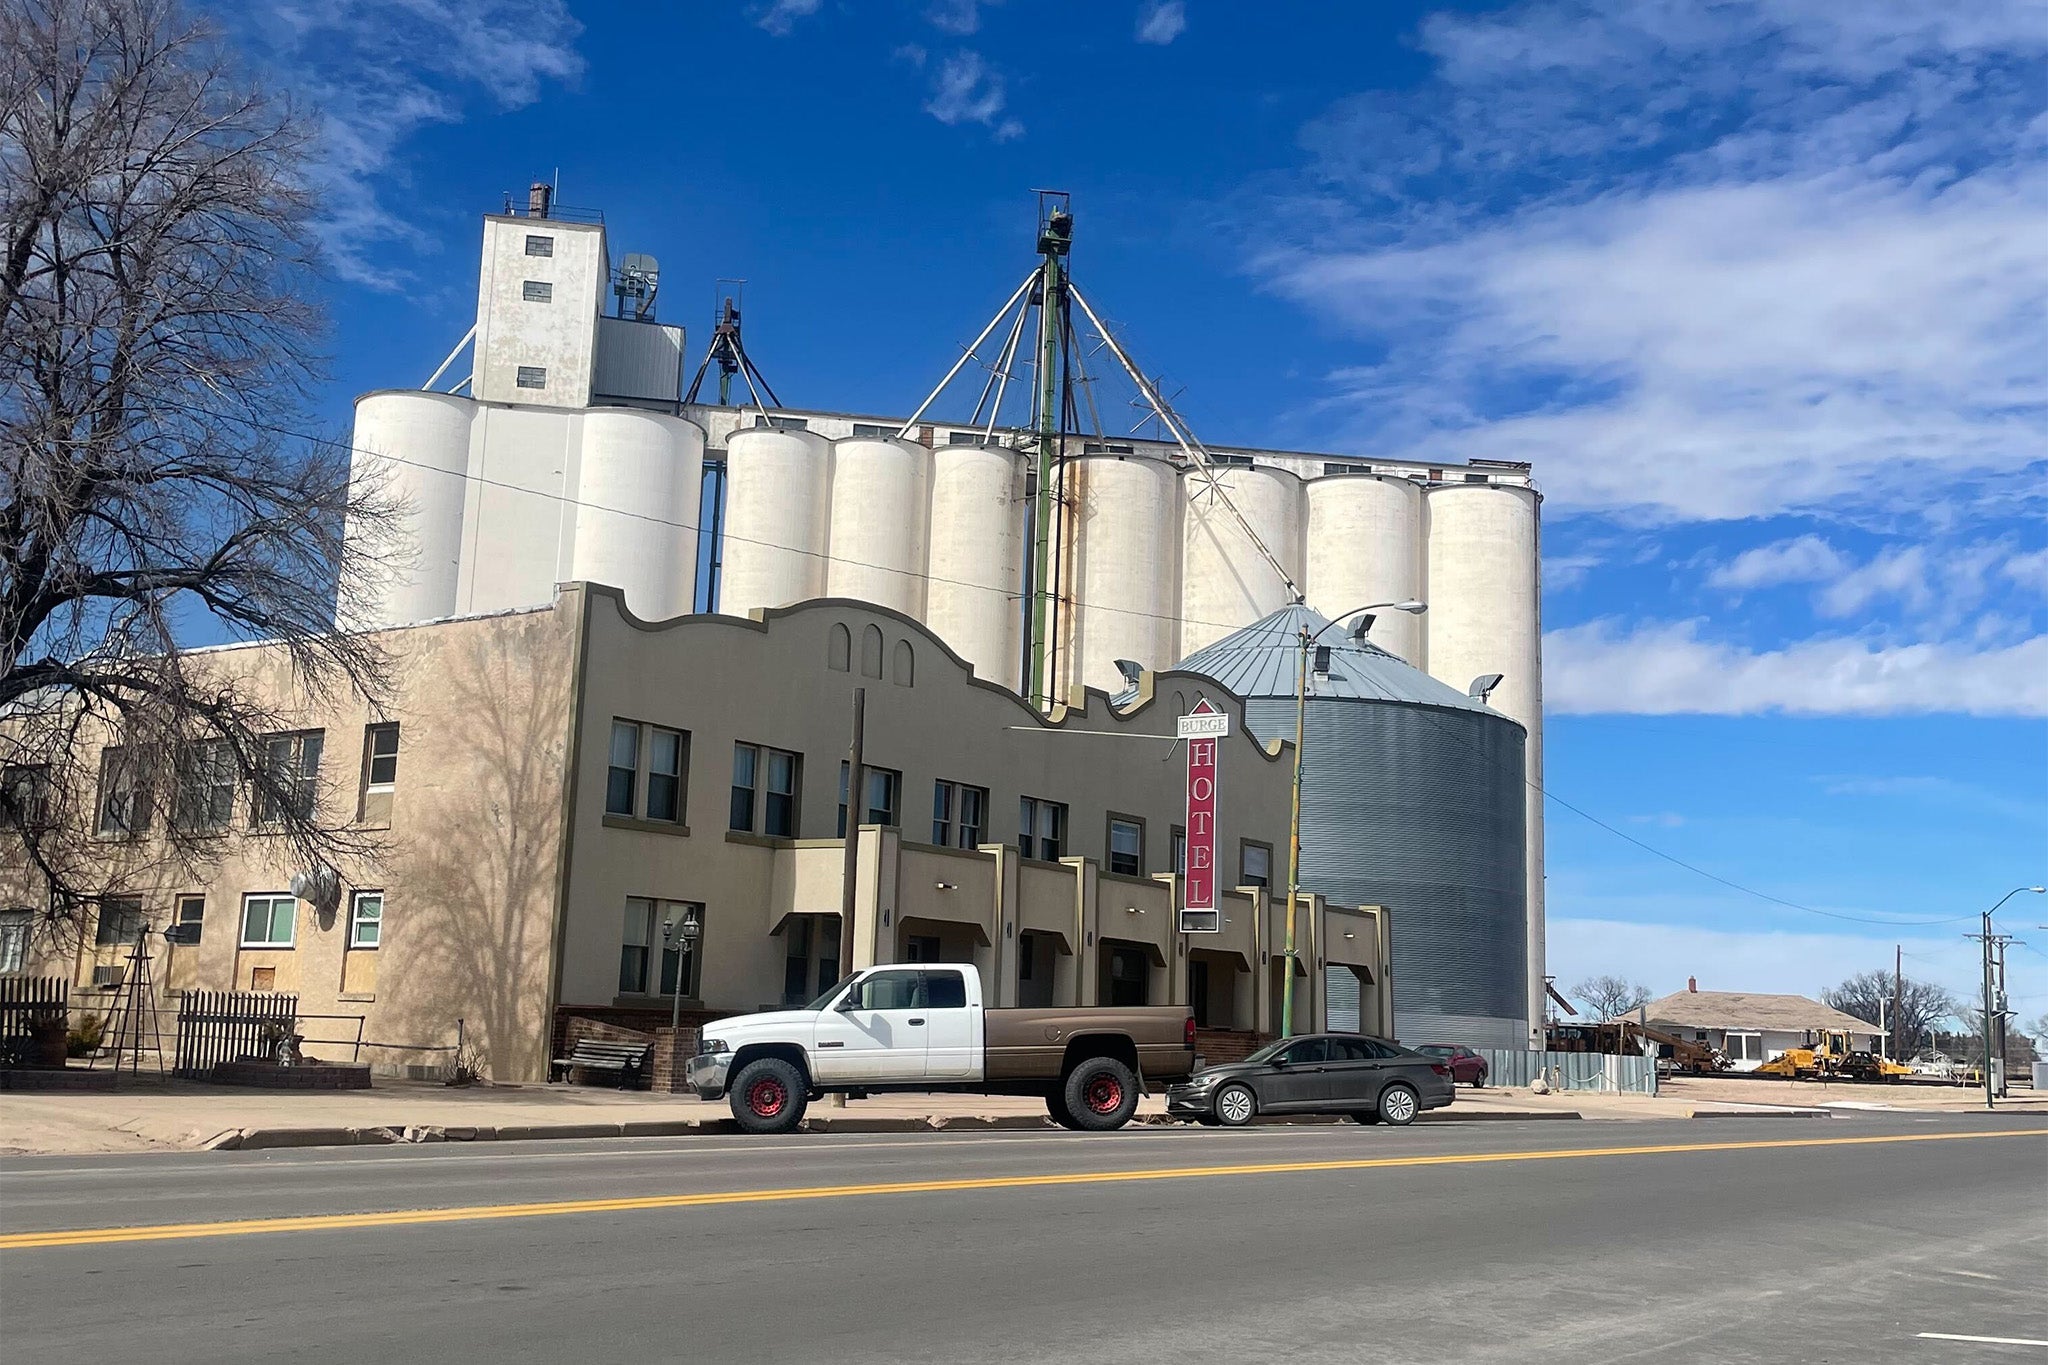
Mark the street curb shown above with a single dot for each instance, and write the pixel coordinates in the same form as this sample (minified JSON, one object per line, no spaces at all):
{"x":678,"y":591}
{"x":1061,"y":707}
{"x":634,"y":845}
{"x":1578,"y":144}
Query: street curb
{"x":278,"y":1139}
{"x":1760,"y":1114}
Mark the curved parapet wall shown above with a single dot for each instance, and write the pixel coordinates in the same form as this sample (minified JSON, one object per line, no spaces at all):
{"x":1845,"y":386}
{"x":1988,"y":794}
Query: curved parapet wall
{"x":1226,"y":583}
{"x":412,"y":449}
{"x":976,"y":583}
{"x":637,"y":490}
{"x":1123,"y":534}
{"x":1485,"y":616}
{"x":1366,"y":544}
{"x":778,"y":514}
{"x":876,"y":549}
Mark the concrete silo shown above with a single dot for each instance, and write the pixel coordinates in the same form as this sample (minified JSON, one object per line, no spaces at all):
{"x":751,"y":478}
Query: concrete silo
{"x":1122,"y":547}
{"x":1226,"y":582}
{"x":638,"y":485}
{"x":1485,"y":617}
{"x":778,"y":511}
{"x":413,"y":449}
{"x":1366,"y":544}
{"x":876,"y":549}
{"x":973,"y":597}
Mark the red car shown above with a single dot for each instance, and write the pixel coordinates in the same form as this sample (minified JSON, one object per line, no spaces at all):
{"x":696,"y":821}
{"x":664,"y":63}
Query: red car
{"x":1467,"y":1066}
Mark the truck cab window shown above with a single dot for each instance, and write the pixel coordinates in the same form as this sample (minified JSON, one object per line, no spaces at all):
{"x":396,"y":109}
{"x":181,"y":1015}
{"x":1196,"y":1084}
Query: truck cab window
{"x":945,"y":991}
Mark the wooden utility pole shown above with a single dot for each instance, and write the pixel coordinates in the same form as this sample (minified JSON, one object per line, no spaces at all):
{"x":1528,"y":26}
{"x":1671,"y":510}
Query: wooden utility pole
{"x":856,"y":782}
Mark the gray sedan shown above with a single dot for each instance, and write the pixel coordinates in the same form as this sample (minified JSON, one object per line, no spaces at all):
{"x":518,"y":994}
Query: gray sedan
{"x":1372,"y":1080}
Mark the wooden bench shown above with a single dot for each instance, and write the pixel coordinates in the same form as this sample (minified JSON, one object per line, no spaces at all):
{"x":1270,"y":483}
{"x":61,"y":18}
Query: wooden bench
{"x":593,"y":1054}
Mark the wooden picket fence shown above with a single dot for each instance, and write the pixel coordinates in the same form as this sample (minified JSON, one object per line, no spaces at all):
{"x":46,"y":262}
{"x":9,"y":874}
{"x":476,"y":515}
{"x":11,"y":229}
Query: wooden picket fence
{"x":226,"y":1026}
{"x":26,"y":999}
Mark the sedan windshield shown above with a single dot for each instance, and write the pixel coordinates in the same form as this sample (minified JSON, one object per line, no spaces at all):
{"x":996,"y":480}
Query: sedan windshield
{"x":1269,"y":1051}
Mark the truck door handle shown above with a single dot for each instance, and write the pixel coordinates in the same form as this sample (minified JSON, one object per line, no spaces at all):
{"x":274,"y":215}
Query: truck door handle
{"x":917,"y":1021}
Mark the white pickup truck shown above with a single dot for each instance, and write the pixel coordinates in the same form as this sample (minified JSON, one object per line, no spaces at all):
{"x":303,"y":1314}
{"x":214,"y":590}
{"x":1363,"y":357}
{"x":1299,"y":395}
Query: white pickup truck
{"x":923,"y":1026}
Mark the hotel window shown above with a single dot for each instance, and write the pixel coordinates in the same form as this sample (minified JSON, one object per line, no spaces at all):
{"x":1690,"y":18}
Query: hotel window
{"x":206,"y":787}
{"x":884,"y":803}
{"x":25,"y":794}
{"x":1126,"y":846}
{"x":269,"y":920}
{"x":641,"y":938}
{"x":366,"y":919}
{"x":746,"y":765}
{"x":1254,"y":864}
{"x":123,"y":804}
{"x":380,"y":750}
{"x":1041,"y":828}
{"x":120,"y":921}
{"x":537,"y":291}
{"x":644,"y":773}
{"x":532,"y":377}
{"x":1180,"y":851}
{"x":540,"y":246}
{"x":959,"y":814}
{"x":15,"y":927}
{"x":291,"y":775}
{"x":755,"y":767}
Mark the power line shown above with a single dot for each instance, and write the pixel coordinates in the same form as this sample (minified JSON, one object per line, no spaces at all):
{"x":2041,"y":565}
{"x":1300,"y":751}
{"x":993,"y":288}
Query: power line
{"x":1537,"y":787}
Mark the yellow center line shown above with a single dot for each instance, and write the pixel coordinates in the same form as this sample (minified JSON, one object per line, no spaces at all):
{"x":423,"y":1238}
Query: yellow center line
{"x":162,"y":1232}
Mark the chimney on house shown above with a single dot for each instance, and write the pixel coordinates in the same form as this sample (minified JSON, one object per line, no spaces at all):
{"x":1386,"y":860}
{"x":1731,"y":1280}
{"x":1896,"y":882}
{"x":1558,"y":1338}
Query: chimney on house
{"x":1692,"y":984}
{"x":539,"y":198}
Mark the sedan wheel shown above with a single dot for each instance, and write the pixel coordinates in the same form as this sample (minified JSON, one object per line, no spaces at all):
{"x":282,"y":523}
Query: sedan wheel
{"x":1235,"y":1105}
{"x":1398,"y":1105}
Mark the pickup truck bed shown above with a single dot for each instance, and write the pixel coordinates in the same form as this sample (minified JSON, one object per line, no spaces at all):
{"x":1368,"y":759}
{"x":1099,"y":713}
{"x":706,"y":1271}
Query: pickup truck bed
{"x":1032,"y":1044}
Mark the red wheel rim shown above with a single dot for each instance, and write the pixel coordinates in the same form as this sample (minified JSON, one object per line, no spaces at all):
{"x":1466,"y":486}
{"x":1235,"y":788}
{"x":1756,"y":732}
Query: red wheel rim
{"x":766,"y":1098}
{"x":1105,"y":1094}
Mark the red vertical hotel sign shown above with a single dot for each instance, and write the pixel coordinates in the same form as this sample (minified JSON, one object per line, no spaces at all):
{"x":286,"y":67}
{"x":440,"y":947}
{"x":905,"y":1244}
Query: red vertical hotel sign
{"x":1203,"y":729}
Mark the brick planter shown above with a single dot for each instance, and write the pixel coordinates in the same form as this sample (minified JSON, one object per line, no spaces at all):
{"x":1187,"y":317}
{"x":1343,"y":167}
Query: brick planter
{"x":270,"y":1076}
{"x":56,"y":1078}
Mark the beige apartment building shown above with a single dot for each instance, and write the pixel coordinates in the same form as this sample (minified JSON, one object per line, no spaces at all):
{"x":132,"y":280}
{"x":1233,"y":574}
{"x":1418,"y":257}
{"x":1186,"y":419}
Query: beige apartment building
{"x":549,"y":788}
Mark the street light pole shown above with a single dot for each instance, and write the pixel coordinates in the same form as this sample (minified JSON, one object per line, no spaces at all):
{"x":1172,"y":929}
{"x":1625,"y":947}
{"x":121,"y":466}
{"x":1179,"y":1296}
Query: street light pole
{"x":1307,"y":639}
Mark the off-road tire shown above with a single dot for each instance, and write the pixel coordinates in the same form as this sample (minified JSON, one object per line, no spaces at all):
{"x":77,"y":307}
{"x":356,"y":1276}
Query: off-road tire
{"x":1056,"y":1107}
{"x":1398,"y":1105}
{"x":1101,"y":1094}
{"x":768,"y":1096}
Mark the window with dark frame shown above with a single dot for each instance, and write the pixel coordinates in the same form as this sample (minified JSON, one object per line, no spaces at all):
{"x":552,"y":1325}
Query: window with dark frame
{"x":1180,"y":851}
{"x":537,"y":291}
{"x":1126,"y":846}
{"x":622,"y":777}
{"x":959,"y":814}
{"x":291,"y":776}
{"x":120,"y":920}
{"x":206,"y":787}
{"x":123,"y":804}
{"x":884,"y":800}
{"x":647,"y":773}
{"x":641,"y":938}
{"x":1254,"y":864}
{"x":25,"y":789}
{"x":539,"y":246}
{"x":779,"y":805}
{"x":1041,"y":828}
{"x":531,"y":377}
{"x":188,"y":920}
{"x":667,"y":755}
{"x":746,"y":763}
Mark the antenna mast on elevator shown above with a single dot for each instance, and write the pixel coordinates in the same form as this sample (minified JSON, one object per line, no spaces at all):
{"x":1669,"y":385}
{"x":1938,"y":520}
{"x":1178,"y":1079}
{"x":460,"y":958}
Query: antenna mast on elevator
{"x":1055,"y":240}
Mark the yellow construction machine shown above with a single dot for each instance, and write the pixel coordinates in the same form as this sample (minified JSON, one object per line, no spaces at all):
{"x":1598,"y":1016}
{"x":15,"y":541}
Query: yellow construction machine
{"x":1831,"y":1058}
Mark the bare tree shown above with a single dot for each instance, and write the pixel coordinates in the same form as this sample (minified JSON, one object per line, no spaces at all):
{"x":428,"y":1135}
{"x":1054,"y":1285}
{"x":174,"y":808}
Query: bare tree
{"x":1610,"y":995}
{"x":156,"y":349}
{"x":1868,"y":996}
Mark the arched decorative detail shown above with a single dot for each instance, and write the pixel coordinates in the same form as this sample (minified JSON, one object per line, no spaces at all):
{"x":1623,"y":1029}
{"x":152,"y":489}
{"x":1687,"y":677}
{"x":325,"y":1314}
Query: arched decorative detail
{"x":871,"y":652}
{"x":903,"y":667}
{"x":839,"y":648}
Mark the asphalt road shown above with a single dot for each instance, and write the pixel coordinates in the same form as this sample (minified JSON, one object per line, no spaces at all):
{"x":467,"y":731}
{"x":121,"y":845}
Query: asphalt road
{"x":1726,"y":1240}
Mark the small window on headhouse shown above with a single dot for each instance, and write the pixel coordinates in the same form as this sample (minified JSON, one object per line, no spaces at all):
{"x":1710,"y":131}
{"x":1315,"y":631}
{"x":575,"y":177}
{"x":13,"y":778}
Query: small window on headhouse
{"x":537,"y":291}
{"x":540,"y":246}
{"x":533,"y":376}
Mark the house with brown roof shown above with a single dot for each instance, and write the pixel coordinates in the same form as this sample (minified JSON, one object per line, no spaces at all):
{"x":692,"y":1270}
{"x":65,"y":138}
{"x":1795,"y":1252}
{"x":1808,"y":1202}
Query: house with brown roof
{"x":1750,"y":1028}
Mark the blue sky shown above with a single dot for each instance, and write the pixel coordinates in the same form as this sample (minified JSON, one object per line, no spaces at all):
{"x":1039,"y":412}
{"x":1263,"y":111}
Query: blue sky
{"x":1756,"y":284}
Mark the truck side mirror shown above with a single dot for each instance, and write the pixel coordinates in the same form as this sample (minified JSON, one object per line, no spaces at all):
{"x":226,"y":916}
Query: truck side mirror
{"x":849,"y":1002}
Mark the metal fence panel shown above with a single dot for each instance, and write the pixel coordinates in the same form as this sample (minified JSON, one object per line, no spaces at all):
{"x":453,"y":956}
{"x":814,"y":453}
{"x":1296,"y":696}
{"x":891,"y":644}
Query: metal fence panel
{"x":1571,"y":1070}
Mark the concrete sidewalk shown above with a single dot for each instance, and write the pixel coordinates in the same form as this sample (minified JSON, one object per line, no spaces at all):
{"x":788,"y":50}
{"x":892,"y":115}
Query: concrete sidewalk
{"x":173,"y":1115}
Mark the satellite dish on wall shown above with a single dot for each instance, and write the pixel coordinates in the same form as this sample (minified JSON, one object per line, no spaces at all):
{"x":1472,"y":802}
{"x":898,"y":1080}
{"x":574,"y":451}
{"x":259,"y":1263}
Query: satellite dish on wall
{"x":320,"y":887}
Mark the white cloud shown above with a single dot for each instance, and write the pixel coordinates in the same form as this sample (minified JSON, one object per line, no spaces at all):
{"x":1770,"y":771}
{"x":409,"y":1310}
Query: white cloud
{"x":1666,"y":668}
{"x":957,"y":17}
{"x":780,"y":16}
{"x":1696,"y":262}
{"x":2029,"y":570}
{"x":966,"y":89}
{"x":1161,"y":21}
{"x":1807,"y":559}
{"x":1568,"y":571}
{"x":379,"y":71}
{"x":1662,"y":956}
